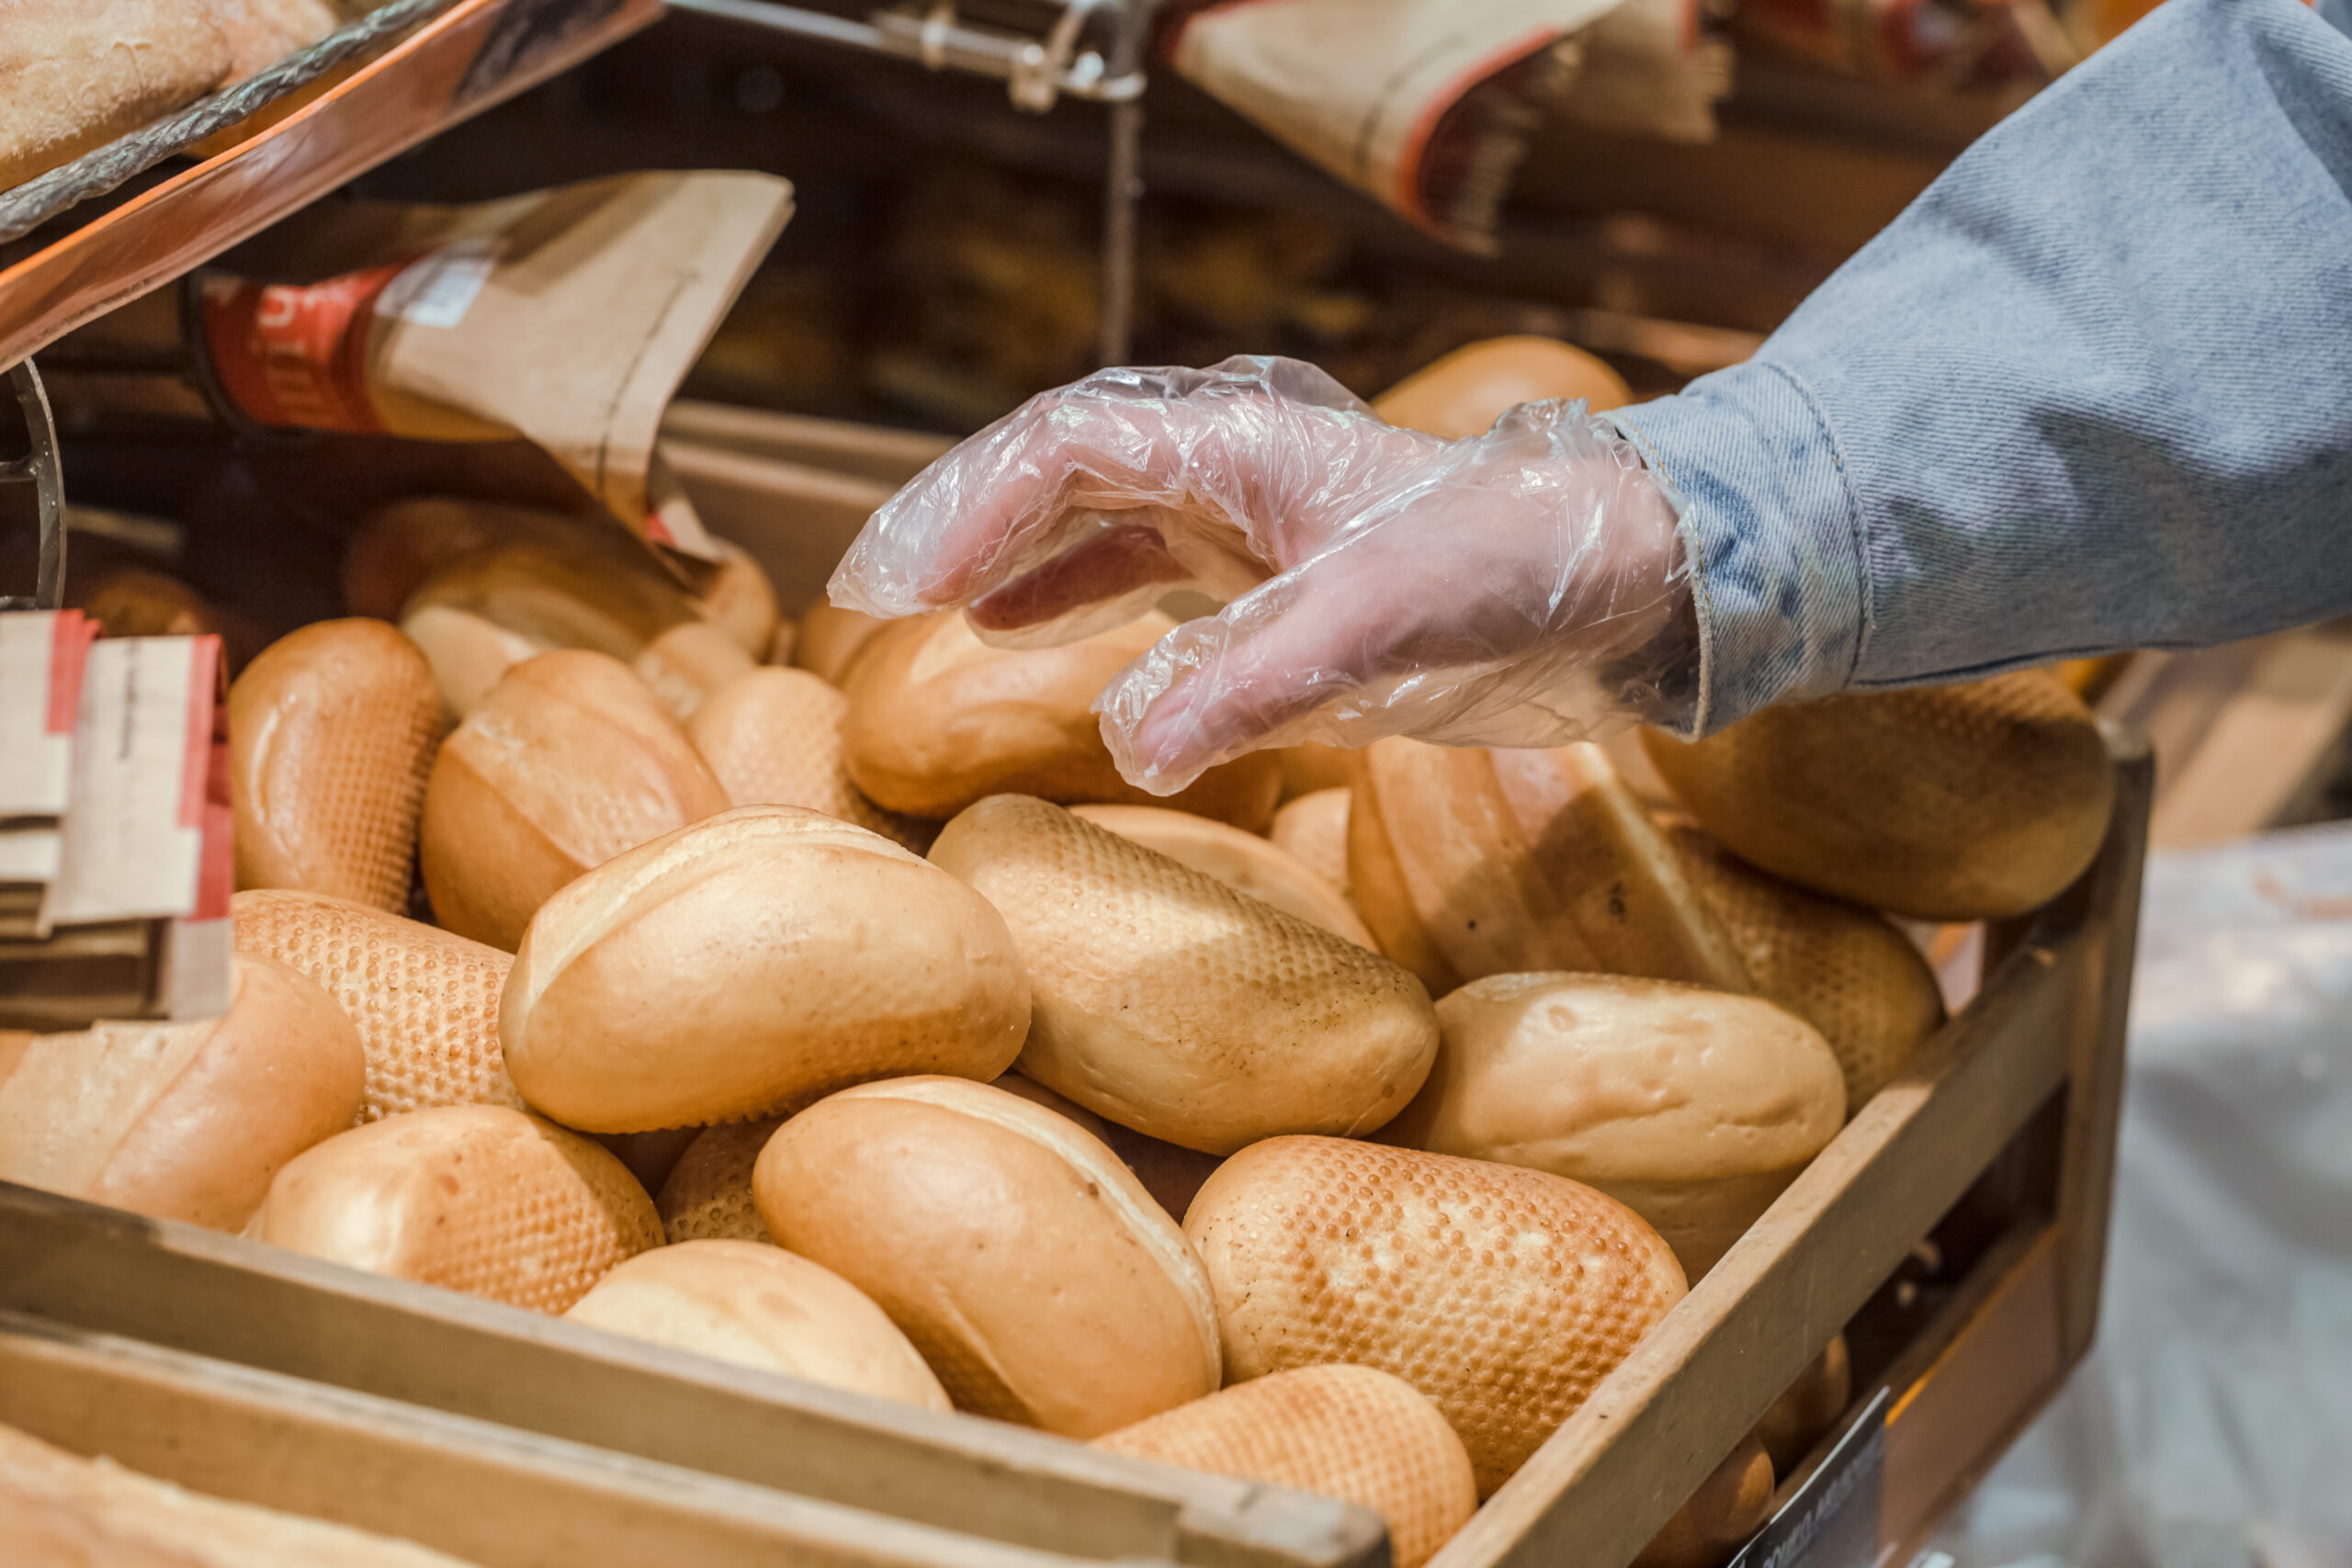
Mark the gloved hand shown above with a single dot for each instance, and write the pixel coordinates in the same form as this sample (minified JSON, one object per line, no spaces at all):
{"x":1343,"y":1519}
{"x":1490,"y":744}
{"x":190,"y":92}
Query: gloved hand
{"x":1522,"y":588}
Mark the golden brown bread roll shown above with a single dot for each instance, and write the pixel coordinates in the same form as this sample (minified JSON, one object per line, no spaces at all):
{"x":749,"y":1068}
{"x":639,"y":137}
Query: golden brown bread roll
{"x":1809,"y":1407}
{"x":1835,"y":964}
{"x":423,"y":1000}
{"x":1947,"y":803}
{"x":761,"y":1306}
{"x":75,"y":76}
{"x":774,"y":737}
{"x":738,"y":600}
{"x":1310,"y":766}
{"x":830,"y":639}
{"x":938,"y":719}
{"x":1692,"y":1108}
{"x":473,"y":1198}
{"x":708,"y":1194}
{"x":1351,"y":1433}
{"x":1463,"y":393}
{"x":131,"y":602}
{"x":1243,"y":861}
{"x":1467,"y":863}
{"x":401,"y":544}
{"x":1314,"y":829}
{"x":183,"y":1121}
{"x":332,"y":733}
{"x":1169,"y":1003}
{"x":1032,"y":1270}
{"x":1730,"y":1506}
{"x":783,"y":645}
{"x":570,"y":761}
{"x":746,"y":965}
{"x":1441,"y":1270}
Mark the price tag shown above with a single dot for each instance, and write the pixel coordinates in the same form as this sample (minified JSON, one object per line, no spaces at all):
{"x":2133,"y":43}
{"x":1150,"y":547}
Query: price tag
{"x":1832,"y":1520}
{"x":42,"y":656}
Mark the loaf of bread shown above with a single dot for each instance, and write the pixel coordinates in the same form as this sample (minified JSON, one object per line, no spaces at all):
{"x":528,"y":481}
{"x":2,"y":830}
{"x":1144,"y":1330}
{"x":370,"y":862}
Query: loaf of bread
{"x":425,"y":1002}
{"x":1468,"y":862}
{"x":708,"y":1194}
{"x":1692,"y":1108}
{"x":1503,"y":1294}
{"x":938,"y":719}
{"x":748,"y":965}
{"x":1463,"y":393}
{"x":1730,"y":1506}
{"x":1808,"y":1408}
{"x":774,"y":737}
{"x":1314,"y":829}
{"x":473,"y":1198}
{"x":1243,"y":861}
{"x":183,"y":1121}
{"x":1947,"y":803}
{"x":1032,"y":1270}
{"x":332,"y":733}
{"x":761,"y":1306}
{"x":75,"y":76}
{"x":262,"y":33}
{"x":568,"y":762}
{"x":830,"y":639}
{"x":1167,"y":1002}
{"x":1346,"y":1432}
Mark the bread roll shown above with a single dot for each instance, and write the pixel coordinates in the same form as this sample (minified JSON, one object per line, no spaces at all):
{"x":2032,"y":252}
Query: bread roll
{"x":1310,"y":766}
{"x":1463,"y":393}
{"x":1808,"y":1408}
{"x":938,"y":719}
{"x":758,"y":1305}
{"x":1835,"y":964}
{"x":425,"y":1002}
{"x":1950,"y":803}
{"x":1503,"y":1294}
{"x":708,"y":1194}
{"x":1730,"y":1506}
{"x":473,"y":1198}
{"x":332,"y":733}
{"x":1346,"y":1432}
{"x":183,"y":1121}
{"x":774,"y":737}
{"x":1167,"y":1002}
{"x":1243,"y":861}
{"x":739,"y":601}
{"x":130,"y":601}
{"x":400,"y":546}
{"x":1692,"y":1108}
{"x":831,"y":639}
{"x":783,"y":645}
{"x":1314,"y":829}
{"x":1467,"y":863}
{"x":1031,"y":1269}
{"x":73,"y":77}
{"x":747,"y":965}
{"x":568,"y":763}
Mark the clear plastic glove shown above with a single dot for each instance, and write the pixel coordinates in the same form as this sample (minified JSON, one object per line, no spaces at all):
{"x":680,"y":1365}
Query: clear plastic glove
{"x":1522,"y":588}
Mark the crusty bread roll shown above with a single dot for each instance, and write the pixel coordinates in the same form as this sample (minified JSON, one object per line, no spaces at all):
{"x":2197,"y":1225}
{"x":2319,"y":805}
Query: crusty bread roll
{"x":761,"y":1306}
{"x":332,"y":733}
{"x":1692,"y":1108}
{"x":132,"y":602}
{"x":1463,"y":393}
{"x":423,"y":1000}
{"x":831,"y":639}
{"x":783,"y":645}
{"x":1503,"y":1294}
{"x":1314,"y":829}
{"x":708,"y":1194}
{"x":1730,"y":1506}
{"x":1032,"y":1270}
{"x":570,"y":761}
{"x":473,"y":1198}
{"x":774,"y":737}
{"x":939,"y":719}
{"x":1243,"y":861}
{"x":1167,"y":1002}
{"x":1310,"y":766}
{"x":747,"y":965}
{"x":1836,"y":966}
{"x":1467,"y":863}
{"x":183,"y":1121}
{"x":1808,"y":1408}
{"x":1351,"y":1433}
{"x":1949,"y":803}
{"x":738,"y":600}
{"x":400,"y":546}
{"x":75,"y":76}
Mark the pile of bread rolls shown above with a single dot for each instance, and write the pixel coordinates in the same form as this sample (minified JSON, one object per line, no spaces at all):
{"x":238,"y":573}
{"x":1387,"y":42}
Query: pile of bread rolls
{"x":855,"y":1020}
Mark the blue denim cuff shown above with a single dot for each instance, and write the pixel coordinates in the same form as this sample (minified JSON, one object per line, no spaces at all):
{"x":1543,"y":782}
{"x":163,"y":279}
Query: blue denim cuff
{"x":1773,"y":532}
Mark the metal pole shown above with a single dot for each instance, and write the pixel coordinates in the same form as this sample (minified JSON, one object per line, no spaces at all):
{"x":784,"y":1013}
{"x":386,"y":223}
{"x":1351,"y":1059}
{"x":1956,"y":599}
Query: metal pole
{"x":1122,"y":188}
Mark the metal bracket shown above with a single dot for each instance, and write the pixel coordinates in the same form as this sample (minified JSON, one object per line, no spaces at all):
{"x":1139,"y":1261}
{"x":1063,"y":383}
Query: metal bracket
{"x":39,"y":467}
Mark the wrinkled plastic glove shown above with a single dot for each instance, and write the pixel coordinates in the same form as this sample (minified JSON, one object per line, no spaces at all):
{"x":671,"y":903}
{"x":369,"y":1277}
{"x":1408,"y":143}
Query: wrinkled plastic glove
{"x":1522,"y":588}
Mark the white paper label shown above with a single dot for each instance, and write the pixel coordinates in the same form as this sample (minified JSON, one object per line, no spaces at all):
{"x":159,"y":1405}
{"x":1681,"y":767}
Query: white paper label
{"x":437,"y":288}
{"x":134,"y":836}
{"x":40,"y":678}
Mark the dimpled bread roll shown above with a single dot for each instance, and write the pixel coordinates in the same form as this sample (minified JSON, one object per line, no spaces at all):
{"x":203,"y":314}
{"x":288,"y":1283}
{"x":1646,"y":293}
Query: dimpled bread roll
{"x":1243,"y":861}
{"x":774,"y":737}
{"x":570,"y":761}
{"x":1835,"y":964}
{"x":183,"y":1121}
{"x":761,"y":1306}
{"x":473,"y":1198}
{"x":1467,"y":863}
{"x":1167,"y":1002}
{"x":748,"y":965}
{"x":1032,"y":1270}
{"x":708,"y":1194}
{"x":1949,"y":803}
{"x":1463,"y":393}
{"x":938,"y":719}
{"x":1346,"y":1432}
{"x":1730,"y":1506}
{"x":830,"y":639}
{"x":424,"y":1002}
{"x":1693,"y":1107}
{"x":1314,"y":829}
{"x":1505,"y":1295}
{"x":331,"y":736}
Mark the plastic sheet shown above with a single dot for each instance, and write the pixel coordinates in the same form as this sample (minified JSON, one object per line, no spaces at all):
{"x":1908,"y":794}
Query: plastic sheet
{"x":1522,"y":588}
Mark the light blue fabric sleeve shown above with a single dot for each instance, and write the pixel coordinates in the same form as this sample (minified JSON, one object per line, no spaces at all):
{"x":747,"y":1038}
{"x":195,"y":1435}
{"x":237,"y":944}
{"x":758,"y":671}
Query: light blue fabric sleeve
{"x":2093,"y":390}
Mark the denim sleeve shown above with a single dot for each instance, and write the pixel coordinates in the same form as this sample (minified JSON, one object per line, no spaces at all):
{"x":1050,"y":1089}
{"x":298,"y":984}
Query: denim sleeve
{"x":2092,"y":391}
